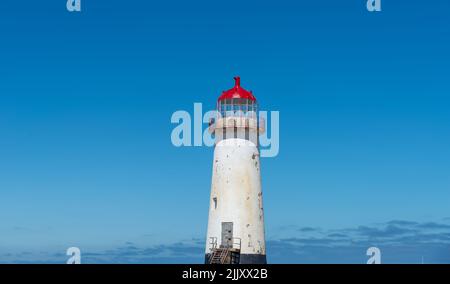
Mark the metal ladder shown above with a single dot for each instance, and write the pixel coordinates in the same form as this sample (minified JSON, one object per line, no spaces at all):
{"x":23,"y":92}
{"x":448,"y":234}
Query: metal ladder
{"x":219,"y":255}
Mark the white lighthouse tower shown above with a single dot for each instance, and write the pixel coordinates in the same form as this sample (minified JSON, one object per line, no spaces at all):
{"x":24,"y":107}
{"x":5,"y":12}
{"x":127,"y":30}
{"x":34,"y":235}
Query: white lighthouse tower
{"x":236,"y":216}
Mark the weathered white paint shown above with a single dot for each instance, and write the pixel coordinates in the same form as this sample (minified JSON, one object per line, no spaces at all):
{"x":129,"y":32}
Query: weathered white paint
{"x":236,"y":194}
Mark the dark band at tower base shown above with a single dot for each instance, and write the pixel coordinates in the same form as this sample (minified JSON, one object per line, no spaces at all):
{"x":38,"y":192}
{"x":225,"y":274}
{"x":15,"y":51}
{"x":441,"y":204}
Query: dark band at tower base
{"x":244,"y":259}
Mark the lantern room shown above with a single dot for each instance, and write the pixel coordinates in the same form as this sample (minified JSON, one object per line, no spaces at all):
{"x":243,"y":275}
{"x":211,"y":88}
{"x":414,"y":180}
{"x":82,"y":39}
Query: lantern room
{"x":237,"y":111}
{"x":237,"y":102}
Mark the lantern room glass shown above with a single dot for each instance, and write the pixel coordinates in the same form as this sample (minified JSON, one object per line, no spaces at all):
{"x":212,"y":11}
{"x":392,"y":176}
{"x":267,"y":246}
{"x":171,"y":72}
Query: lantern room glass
{"x":237,"y":107}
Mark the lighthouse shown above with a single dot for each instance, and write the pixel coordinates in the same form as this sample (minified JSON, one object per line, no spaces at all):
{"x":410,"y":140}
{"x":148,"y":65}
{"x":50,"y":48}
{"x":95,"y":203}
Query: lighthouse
{"x":235,"y":232}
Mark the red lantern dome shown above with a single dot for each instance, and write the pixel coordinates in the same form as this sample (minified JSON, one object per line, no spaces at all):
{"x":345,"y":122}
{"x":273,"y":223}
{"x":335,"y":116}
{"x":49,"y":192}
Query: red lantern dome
{"x":237,"y":92}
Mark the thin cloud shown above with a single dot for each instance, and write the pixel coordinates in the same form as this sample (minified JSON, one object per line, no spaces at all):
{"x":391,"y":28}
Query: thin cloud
{"x":400,"y":242}
{"x":402,"y":223}
{"x":433,"y":225}
{"x":309,"y":229}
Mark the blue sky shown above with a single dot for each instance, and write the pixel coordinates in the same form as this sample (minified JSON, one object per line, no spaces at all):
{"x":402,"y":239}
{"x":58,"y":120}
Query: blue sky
{"x":86,"y":99}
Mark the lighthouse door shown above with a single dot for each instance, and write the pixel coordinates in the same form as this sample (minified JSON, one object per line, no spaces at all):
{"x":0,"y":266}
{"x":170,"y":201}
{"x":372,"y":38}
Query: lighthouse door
{"x":227,"y":235}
